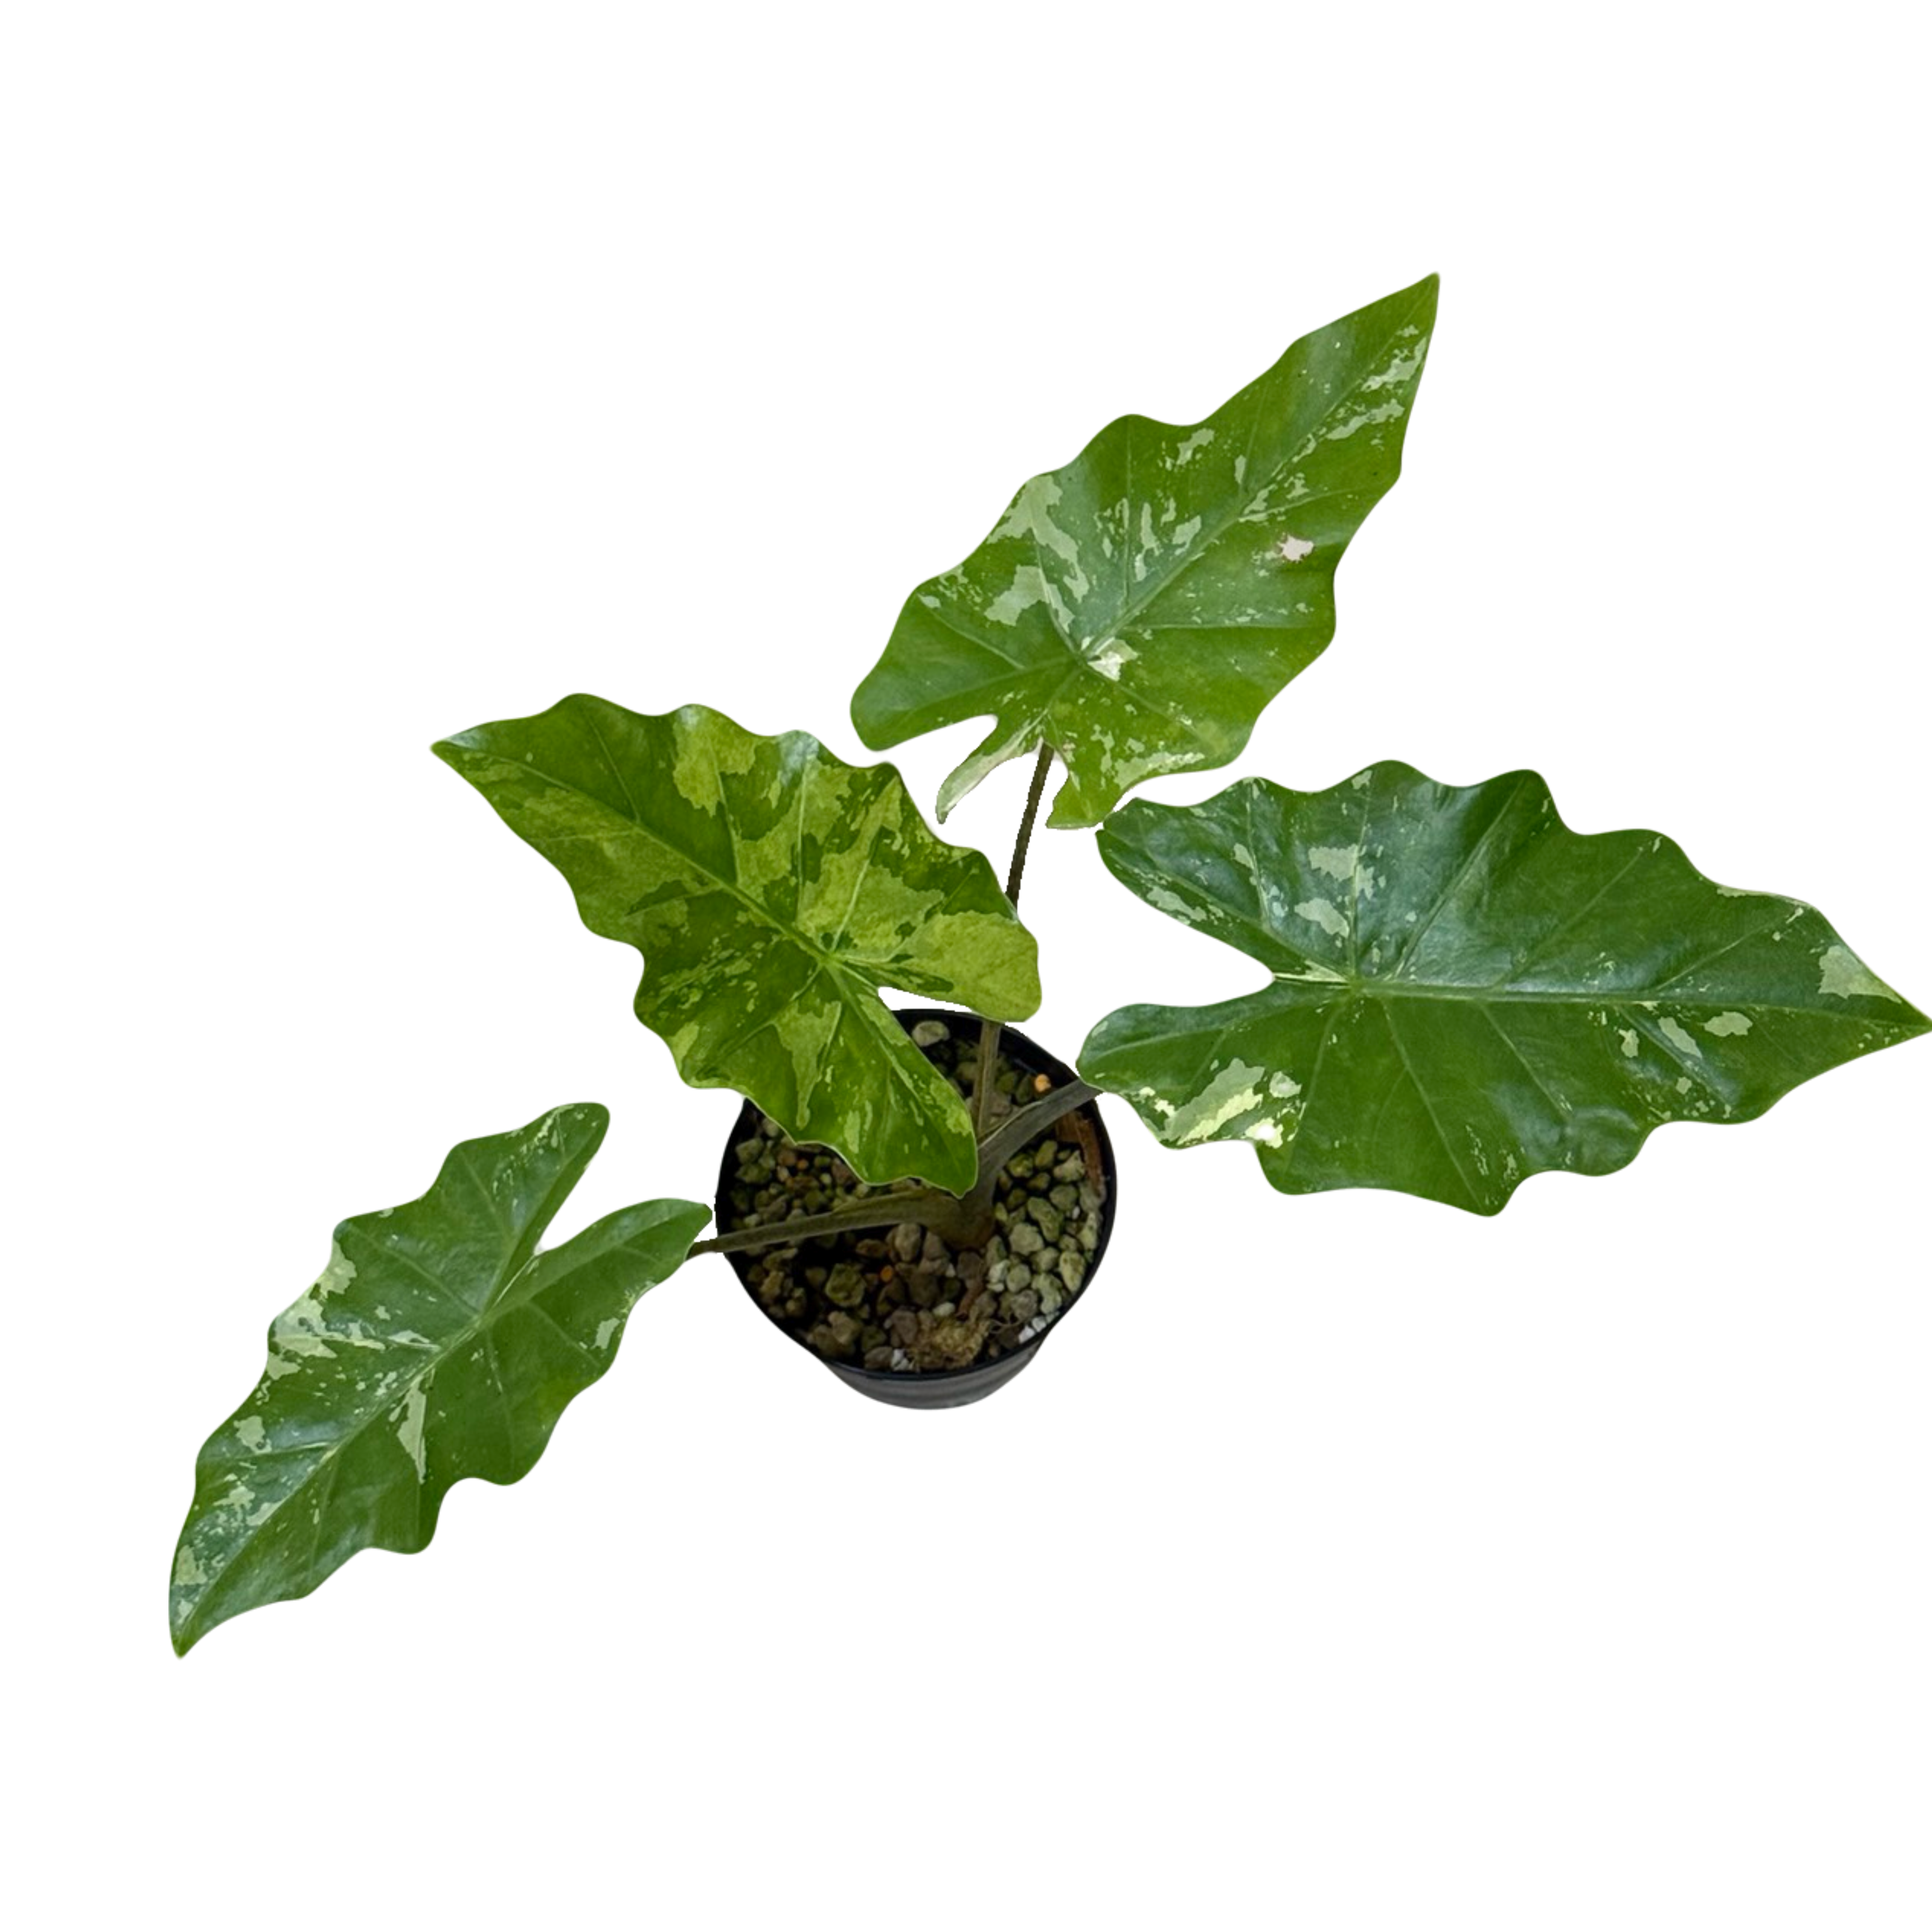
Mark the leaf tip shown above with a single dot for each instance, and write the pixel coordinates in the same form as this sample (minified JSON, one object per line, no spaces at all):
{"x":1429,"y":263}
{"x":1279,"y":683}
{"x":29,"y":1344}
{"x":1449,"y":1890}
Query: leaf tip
{"x":593,"y":1116}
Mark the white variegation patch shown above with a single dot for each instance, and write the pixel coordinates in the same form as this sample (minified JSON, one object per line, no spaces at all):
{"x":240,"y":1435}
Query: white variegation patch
{"x":1674,"y":1032}
{"x":1326,"y":914}
{"x":410,"y":1427}
{"x":1233,"y":1091}
{"x":1843,"y":975}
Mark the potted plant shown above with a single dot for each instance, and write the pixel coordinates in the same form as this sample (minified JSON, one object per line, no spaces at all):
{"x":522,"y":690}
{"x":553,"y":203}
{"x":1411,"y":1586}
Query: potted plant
{"x":1462,"y":992}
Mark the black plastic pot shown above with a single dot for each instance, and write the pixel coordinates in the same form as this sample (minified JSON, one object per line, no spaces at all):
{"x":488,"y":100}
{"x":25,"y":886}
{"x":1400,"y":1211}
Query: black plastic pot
{"x":940,"y":1388}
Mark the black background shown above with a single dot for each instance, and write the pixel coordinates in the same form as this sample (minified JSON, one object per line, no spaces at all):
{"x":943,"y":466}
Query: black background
{"x":449,"y":466}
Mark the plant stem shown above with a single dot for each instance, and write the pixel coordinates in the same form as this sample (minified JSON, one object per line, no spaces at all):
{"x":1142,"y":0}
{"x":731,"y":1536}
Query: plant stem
{"x":883,"y":1211}
{"x":1041,"y":766}
{"x":929,"y":1206}
{"x":989,"y":1030}
{"x":1017,"y":1129}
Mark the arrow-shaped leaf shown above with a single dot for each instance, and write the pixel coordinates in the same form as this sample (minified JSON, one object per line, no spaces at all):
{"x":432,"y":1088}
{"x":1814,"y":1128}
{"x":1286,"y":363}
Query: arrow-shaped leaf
{"x":1465,"y":992}
{"x":772,"y":889}
{"x":1136,"y":609}
{"x":437,"y":1344}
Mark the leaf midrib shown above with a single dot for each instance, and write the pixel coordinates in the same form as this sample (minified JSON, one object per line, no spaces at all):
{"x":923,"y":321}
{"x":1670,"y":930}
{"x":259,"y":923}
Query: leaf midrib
{"x":1213,"y":1019}
{"x":1446,"y":993}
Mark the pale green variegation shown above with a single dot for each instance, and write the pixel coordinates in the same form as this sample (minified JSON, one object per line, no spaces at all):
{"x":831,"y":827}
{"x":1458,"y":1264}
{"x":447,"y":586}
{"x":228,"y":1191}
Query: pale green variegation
{"x":1136,"y":609}
{"x":773,"y":889}
{"x":437,"y":1344}
{"x":1465,"y":992}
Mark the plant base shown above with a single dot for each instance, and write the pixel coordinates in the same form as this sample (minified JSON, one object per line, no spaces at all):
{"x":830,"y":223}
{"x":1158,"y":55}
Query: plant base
{"x":896,"y":1311}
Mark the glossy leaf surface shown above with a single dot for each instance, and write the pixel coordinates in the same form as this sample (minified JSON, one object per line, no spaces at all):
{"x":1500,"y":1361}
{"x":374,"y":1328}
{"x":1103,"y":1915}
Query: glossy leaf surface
{"x":772,"y":889}
{"x":1465,"y":992}
{"x":437,"y":1344}
{"x":1137,"y":609}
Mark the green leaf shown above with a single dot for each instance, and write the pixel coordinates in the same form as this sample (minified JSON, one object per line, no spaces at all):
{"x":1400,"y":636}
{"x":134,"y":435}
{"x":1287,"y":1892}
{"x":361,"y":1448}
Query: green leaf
{"x":1465,"y":992}
{"x":1137,"y":609}
{"x":772,"y":889}
{"x":437,"y":1344}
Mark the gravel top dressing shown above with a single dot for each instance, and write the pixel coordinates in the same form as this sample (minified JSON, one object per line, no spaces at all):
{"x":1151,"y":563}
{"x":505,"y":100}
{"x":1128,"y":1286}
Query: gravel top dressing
{"x":902,"y":1297}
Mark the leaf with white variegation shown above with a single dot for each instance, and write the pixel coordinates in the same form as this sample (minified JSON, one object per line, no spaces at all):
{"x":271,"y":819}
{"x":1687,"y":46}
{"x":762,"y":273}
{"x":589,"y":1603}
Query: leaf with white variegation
{"x":772,"y":889}
{"x":1465,"y":992}
{"x":1136,"y":609}
{"x":437,"y":1344}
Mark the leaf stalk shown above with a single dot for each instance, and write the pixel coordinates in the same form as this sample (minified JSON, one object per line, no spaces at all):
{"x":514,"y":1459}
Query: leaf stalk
{"x":984,"y":1080}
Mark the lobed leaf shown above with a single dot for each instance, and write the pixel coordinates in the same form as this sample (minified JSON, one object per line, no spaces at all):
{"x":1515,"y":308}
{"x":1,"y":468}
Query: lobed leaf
{"x":1137,"y":609}
{"x":772,"y":889}
{"x":437,"y":1344}
{"x":1465,"y":992}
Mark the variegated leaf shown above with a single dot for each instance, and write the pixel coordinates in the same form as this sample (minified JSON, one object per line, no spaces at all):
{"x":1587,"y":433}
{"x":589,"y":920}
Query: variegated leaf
{"x":437,"y":1344}
{"x":1137,"y":609}
{"x":772,"y":889}
{"x":1464,"y":991}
